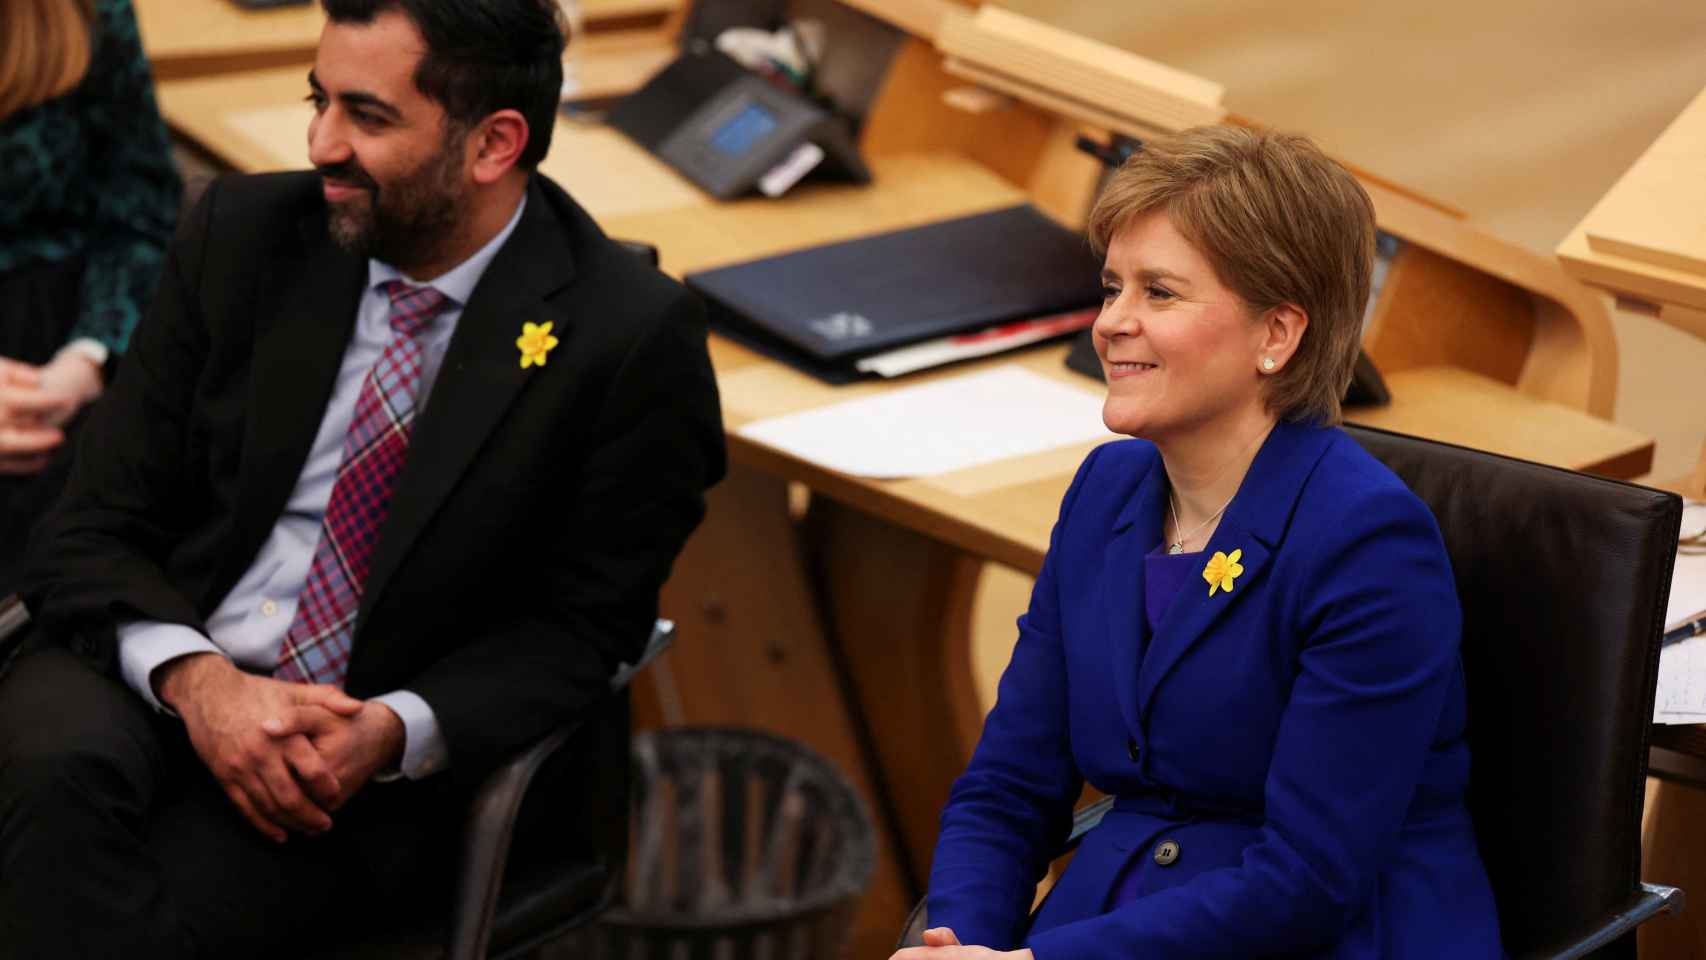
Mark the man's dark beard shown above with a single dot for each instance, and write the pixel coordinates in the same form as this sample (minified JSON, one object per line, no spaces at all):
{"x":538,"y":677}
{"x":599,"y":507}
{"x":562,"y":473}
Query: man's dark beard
{"x":406,"y":222}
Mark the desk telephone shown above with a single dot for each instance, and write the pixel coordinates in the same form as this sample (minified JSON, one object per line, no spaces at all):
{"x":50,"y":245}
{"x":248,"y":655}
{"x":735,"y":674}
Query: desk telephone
{"x":725,"y":128}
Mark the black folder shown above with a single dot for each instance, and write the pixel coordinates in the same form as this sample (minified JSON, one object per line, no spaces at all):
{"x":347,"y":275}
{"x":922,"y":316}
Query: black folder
{"x":823,"y":308}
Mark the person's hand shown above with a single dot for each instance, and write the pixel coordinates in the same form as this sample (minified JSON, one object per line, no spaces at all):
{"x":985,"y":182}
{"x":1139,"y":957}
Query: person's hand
{"x":35,"y":402}
{"x":940,"y":943}
{"x":28,"y":431}
{"x":73,"y":379}
{"x":355,"y":746}
{"x":278,"y":783}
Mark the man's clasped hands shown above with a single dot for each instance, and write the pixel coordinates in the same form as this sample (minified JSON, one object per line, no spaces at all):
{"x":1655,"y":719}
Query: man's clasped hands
{"x":287,"y":754}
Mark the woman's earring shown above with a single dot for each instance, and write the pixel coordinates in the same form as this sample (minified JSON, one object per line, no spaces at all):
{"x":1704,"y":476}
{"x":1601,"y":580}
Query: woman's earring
{"x":1268,"y":363}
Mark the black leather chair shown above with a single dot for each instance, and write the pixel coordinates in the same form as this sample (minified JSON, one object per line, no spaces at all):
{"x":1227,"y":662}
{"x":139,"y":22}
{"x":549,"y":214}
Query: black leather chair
{"x":1563,"y":579}
{"x":504,"y":909}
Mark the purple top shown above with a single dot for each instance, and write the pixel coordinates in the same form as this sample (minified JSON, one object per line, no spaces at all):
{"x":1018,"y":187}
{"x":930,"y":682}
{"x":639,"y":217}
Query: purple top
{"x":1164,"y":575}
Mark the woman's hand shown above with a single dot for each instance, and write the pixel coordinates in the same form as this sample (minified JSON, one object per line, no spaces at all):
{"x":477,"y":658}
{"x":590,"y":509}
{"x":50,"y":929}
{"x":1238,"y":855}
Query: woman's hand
{"x":941,"y":944}
{"x":35,"y":402}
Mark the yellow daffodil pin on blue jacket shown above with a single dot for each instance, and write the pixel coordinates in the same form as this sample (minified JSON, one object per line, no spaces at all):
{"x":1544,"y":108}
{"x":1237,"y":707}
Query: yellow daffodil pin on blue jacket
{"x":1222,"y":571}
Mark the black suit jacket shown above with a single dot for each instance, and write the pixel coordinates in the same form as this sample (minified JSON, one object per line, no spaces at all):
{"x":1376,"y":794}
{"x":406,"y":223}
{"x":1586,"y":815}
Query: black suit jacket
{"x":537,"y":516}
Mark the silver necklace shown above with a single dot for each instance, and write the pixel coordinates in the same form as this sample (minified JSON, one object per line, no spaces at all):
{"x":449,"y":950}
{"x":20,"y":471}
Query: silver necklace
{"x":1178,"y":546}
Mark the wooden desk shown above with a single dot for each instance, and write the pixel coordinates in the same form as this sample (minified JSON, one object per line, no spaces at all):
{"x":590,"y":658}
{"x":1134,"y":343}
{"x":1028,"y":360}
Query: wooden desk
{"x":826,"y":607}
{"x":187,"y":38}
{"x":1644,"y":241}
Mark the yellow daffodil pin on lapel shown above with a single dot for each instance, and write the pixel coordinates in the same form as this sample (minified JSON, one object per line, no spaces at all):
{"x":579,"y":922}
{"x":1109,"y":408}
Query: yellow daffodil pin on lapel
{"x":535,"y":342}
{"x":1222,"y":571}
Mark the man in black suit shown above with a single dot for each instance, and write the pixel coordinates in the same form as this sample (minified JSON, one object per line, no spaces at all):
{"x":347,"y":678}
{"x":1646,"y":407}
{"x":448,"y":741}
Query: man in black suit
{"x":385,"y":490}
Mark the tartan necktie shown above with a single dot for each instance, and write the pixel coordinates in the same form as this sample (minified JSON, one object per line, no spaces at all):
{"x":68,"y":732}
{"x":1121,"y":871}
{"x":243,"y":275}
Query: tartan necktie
{"x":317,"y":646}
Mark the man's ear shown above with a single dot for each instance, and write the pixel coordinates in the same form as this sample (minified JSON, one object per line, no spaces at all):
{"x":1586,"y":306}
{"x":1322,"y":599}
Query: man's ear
{"x":496,"y":145}
{"x":1282,"y":332}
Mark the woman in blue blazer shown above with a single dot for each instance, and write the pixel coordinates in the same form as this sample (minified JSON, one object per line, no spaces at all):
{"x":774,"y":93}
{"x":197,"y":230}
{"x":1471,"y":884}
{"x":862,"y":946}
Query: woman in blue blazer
{"x":1246,"y":629}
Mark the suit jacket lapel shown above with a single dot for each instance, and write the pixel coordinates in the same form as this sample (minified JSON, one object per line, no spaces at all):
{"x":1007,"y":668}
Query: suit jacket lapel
{"x":479,"y":379}
{"x":298,"y":349}
{"x":1136,"y":531}
{"x":1254,"y":524}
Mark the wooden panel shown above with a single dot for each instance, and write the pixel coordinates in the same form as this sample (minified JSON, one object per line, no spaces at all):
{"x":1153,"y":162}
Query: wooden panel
{"x":1456,"y":406}
{"x":1656,"y":214}
{"x":910,"y":115}
{"x":1625,"y":276}
{"x":1588,"y":352}
{"x":1673,"y":852}
{"x":901,"y":605}
{"x":1065,"y":181}
{"x":192,"y":38}
{"x":1435,"y":311}
{"x":178,"y":33}
{"x":752,"y":652}
{"x":917,"y":17}
{"x":1069,"y":65}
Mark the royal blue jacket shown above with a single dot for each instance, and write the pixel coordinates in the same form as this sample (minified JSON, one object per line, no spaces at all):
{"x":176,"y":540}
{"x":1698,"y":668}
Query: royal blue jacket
{"x":1288,"y":755}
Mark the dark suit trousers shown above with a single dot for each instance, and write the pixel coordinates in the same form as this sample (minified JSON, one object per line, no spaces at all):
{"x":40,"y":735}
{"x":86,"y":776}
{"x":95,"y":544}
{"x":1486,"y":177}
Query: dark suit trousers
{"x":116,"y":841}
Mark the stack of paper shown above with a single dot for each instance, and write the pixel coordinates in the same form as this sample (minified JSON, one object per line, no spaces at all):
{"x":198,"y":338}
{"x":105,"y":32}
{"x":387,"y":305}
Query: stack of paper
{"x":1682,"y":666}
{"x":937,"y":427}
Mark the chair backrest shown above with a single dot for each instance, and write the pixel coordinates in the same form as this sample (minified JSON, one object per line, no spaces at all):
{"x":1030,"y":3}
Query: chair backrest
{"x":1563,"y":579}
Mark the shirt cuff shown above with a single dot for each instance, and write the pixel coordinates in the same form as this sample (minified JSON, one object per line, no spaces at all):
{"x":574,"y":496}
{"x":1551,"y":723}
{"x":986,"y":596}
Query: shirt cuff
{"x":145,"y":645}
{"x":89,"y":347}
{"x":424,"y":750}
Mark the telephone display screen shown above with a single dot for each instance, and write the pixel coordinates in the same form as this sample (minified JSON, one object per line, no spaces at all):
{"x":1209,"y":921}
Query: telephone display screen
{"x":738,"y":133}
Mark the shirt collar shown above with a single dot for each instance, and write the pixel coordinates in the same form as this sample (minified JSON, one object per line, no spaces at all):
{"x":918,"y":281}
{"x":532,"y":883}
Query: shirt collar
{"x":457,"y":283}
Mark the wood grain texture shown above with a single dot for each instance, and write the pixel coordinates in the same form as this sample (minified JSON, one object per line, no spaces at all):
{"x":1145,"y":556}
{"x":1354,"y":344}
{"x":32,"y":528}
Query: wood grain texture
{"x":1105,"y":78}
{"x":190,"y":38}
{"x":1434,"y":311}
{"x":1655,"y":214}
{"x":911,"y":115}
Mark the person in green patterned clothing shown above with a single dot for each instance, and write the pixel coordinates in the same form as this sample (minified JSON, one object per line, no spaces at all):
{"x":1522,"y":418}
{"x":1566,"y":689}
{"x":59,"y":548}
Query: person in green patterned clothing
{"x":90,"y":197}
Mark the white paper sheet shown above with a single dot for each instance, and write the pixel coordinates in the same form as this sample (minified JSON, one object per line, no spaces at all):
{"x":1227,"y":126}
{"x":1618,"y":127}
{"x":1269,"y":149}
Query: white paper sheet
{"x":938,"y":427}
{"x":1681,"y":696}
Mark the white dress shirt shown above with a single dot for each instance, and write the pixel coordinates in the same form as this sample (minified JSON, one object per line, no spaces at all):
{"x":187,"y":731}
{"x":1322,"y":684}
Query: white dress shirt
{"x":250,"y":623}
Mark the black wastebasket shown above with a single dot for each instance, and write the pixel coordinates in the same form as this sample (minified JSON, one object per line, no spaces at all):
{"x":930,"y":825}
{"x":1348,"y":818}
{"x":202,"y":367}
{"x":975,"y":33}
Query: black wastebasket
{"x":744,"y":845}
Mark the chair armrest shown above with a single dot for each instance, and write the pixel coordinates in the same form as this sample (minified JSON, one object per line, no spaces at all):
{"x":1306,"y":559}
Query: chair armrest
{"x":1643,"y":905}
{"x":491,"y":821}
{"x":13,"y":616}
{"x":485,"y":849}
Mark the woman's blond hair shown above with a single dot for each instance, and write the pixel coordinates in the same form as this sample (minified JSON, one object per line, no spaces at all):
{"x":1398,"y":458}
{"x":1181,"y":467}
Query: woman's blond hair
{"x":44,"y":50}
{"x":1281,"y":222}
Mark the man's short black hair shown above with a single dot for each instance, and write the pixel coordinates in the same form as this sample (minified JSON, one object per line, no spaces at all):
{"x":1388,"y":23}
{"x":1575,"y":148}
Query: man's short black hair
{"x":482,"y":56}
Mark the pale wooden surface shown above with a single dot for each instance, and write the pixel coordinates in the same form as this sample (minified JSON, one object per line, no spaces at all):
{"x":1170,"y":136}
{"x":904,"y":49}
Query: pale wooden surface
{"x":1646,"y":237}
{"x":1656,"y":213}
{"x":1070,"y":68}
{"x":196,"y":37}
{"x":182,"y":29}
